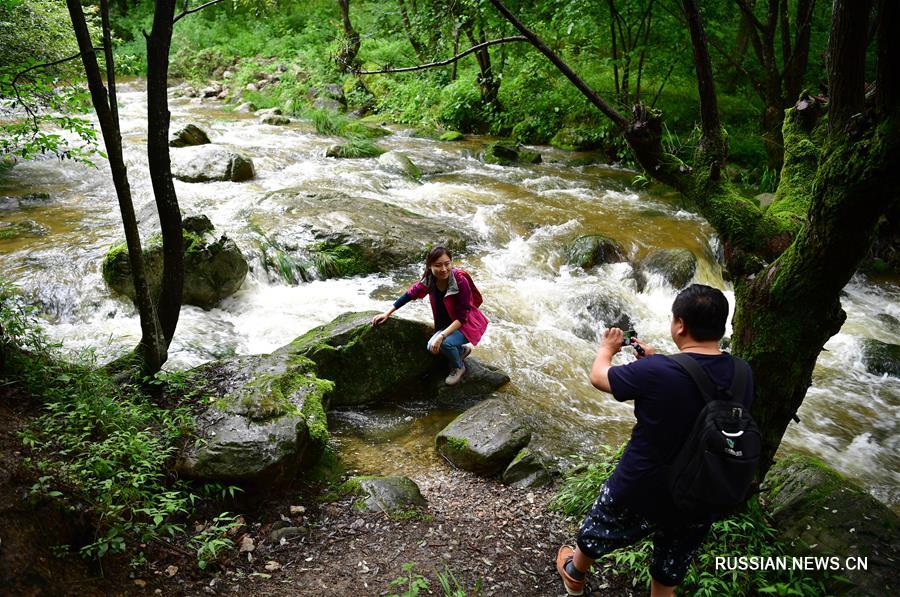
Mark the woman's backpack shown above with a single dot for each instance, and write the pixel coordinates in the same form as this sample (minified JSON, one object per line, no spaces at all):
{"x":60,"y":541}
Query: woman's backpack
{"x":476,"y":295}
{"x":712,"y":472}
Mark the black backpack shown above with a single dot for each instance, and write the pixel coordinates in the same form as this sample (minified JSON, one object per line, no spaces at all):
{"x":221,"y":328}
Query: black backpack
{"x":711,"y":474}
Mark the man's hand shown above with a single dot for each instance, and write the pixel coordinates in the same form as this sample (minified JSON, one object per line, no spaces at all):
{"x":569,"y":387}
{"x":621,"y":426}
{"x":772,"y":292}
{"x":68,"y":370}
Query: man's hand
{"x":648,"y":350}
{"x":612,"y":340}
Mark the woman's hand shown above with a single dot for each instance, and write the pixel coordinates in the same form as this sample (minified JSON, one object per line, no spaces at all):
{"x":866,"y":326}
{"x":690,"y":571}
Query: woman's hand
{"x":381,"y":318}
{"x":436,"y":345}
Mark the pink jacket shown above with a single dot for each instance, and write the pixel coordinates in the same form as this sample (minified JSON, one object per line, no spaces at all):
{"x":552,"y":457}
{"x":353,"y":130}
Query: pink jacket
{"x":458,"y":301}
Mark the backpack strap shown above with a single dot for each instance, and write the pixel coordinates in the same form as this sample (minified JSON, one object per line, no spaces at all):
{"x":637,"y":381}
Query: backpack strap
{"x":709,"y":390}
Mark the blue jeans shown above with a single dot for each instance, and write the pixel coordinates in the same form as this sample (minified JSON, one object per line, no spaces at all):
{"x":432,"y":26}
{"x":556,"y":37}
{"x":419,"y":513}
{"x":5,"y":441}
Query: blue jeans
{"x":452,"y":348}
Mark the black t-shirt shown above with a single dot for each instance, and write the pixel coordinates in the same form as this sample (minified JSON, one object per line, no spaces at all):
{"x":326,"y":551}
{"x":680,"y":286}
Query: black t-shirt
{"x":666,"y":405}
{"x":441,"y":317}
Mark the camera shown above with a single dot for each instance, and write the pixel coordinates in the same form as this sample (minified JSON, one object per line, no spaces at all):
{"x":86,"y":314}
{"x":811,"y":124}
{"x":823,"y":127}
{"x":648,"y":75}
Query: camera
{"x":629,"y":340}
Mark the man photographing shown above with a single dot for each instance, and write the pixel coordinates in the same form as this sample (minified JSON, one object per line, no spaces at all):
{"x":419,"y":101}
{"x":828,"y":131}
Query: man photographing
{"x":640,"y":498}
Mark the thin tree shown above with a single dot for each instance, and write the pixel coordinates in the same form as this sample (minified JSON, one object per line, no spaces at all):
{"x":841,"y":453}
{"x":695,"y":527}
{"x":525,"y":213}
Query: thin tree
{"x":788,"y":262}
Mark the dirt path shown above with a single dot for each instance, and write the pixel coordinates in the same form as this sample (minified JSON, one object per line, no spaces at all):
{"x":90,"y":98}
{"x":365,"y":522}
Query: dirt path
{"x":487,"y":535}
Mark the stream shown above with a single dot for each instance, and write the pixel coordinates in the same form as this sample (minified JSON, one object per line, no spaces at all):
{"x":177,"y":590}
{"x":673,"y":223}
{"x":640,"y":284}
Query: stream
{"x":521,"y":218}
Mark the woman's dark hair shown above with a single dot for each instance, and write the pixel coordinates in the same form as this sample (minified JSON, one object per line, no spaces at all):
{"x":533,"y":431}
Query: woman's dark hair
{"x":433,"y":255}
{"x":704,"y":310}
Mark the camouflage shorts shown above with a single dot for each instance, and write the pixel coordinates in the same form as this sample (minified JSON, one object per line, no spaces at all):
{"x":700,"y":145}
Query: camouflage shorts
{"x":610,"y":525}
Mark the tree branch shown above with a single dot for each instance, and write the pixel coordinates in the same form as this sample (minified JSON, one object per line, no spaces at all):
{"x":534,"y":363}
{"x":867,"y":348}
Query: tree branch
{"x":748,"y":12}
{"x":188,"y":11}
{"x":475,"y":48}
{"x":619,"y":120}
{"x":712,"y":142}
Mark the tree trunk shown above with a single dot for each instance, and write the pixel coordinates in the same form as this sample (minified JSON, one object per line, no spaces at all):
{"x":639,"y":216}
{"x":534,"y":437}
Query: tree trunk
{"x":158,"y":43}
{"x":846,"y":52}
{"x":152,"y":348}
{"x":488,"y":85}
{"x":410,"y":34}
{"x":346,"y":56}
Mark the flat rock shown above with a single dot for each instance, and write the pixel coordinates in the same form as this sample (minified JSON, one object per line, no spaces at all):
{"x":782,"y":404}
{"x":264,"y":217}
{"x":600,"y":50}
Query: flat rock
{"x":210,"y":162}
{"x":821,"y":513}
{"x":373,"y":236}
{"x":483,"y":439}
{"x":386,"y":494}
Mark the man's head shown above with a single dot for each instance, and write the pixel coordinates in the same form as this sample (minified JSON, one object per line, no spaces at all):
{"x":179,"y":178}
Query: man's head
{"x":700,"y":312}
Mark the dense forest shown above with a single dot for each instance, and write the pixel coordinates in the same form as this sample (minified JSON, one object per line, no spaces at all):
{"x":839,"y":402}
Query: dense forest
{"x":774,"y":123}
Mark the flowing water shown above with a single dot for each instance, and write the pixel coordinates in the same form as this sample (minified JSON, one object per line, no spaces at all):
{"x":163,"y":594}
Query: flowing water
{"x":521,"y":217}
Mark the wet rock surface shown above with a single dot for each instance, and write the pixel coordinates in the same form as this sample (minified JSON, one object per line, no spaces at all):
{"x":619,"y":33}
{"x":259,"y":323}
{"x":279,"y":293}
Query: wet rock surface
{"x":485,"y":438}
{"x":188,"y":135}
{"x":676,"y":266}
{"x":205,"y":163}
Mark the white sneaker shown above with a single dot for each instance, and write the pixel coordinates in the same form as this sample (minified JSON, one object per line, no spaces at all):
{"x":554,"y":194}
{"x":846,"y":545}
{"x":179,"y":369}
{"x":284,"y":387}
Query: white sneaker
{"x":455,"y":376}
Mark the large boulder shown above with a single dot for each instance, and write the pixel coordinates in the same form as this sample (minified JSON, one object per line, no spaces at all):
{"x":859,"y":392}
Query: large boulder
{"x":483,"y":439}
{"x":591,"y":250}
{"x":480,"y":381}
{"x":187,"y":136}
{"x":599,"y":312}
{"x":213,"y":268}
{"x":390,"y":495}
{"x":355,"y":235}
{"x":399,"y":163}
{"x":506,"y":153}
{"x":891,"y":323}
{"x":368,"y":364}
{"x":676,"y":266}
{"x":267,"y":416}
{"x":821,"y":513}
{"x":210,"y":162}
{"x":881,"y":358}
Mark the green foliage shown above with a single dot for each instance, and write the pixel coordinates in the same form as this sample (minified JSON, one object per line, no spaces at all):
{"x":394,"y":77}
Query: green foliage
{"x":213,"y":541}
{"x":411,"y":583}
{"x":745,"y":533}
{"x":452,"y":587}
{"x":41,"y":103}
{"x":98,"y":443}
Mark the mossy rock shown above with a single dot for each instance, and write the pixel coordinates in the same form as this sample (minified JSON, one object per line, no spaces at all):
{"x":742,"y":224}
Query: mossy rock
{"x":399,"y":163}
{"x":187,"y":136}
{"x":275,"y":120}
{"x":353,"y":150}
{"x":205,"y":163}
{"x":377,"y":236}
{"x":390,"y":495}
{"x":452,"y":136}
{"x":506,"y":153}
{"x":881,"y":358}
{"x":526,"y":471}
{"x":591,"y":250}
{"x":213,"y":268}
{"x":368,"y":364}
{"x":366,"y":130}
{"x":676,"y":266}
{"x":265,"y":420}
{"x":576,"y":139}
{"x":26,"y":228}
{"x":484,"y":439}
{"x":821,"y":513}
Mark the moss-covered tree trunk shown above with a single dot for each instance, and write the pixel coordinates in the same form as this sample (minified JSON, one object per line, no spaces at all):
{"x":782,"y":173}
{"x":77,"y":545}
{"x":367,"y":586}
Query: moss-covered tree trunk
{"x":346,"y":55}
